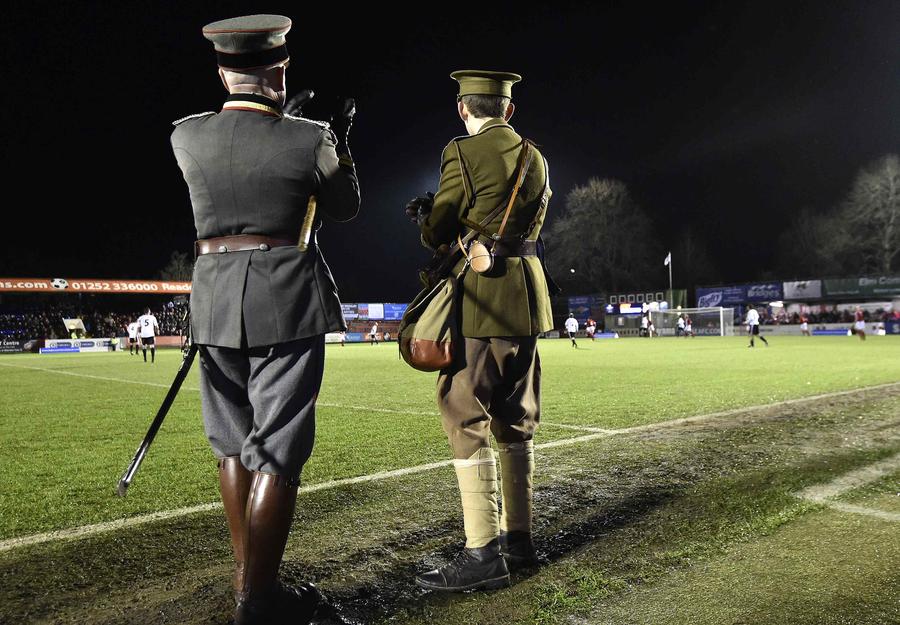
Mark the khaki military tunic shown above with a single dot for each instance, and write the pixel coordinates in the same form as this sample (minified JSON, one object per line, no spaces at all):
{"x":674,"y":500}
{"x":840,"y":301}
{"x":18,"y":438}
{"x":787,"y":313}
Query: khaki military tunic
{"x":512,"y":299}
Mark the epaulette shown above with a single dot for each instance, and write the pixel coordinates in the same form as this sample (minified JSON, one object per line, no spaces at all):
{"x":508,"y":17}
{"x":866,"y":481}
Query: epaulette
{"x":311,"y":121}
{"x":184,"y":119}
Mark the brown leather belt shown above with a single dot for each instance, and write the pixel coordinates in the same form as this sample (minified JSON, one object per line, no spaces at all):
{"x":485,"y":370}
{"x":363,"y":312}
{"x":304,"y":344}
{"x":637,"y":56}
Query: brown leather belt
{"x":239,"y":243}
{"x":515,"y":248}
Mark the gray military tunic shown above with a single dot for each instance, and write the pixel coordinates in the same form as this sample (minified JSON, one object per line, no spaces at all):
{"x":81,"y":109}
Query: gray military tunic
{"x":260,"y":316}
{"x":251,"y":172}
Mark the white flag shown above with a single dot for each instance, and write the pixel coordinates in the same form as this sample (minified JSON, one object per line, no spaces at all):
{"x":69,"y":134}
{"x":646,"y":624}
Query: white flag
{"x":668,"y":259}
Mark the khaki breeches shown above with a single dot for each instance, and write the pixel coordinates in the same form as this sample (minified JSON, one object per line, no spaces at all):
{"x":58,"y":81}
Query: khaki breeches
{"x":494,"y":389}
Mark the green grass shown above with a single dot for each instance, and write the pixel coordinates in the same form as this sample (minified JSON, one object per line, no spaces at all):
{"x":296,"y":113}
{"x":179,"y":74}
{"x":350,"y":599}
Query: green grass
{"x":690,"y":524}
{"x":74,"y":435}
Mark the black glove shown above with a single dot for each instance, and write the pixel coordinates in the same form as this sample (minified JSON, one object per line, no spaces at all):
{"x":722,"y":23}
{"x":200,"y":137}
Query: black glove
{"x":341,"y":120}
{"x":295,"y":105}
{"x":418,"y":208}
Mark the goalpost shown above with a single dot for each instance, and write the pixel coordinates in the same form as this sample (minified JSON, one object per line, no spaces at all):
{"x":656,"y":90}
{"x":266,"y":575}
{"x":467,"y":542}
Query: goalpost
{"x":709,"y":321}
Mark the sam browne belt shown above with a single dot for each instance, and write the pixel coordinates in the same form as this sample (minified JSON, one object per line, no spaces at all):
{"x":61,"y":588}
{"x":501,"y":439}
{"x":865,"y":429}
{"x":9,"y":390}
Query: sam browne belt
{"x":239,"y":243}
{"x":515,"y":248}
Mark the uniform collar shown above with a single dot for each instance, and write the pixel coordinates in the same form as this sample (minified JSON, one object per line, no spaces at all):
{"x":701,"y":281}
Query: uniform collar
{"x":493,"y":123}
{"x":252,"y":102}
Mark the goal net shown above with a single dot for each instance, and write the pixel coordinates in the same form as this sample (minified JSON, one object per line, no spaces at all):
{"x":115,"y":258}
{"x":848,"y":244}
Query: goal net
{"x":712,"y":321}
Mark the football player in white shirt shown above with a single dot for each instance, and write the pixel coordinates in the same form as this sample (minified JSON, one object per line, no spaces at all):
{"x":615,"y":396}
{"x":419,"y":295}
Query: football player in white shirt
{"x":753,"y":326}
{"x":132,"y":337}
{"x":572,"y":328}
{"x":148,"y":328}
{"x":373,"y":334}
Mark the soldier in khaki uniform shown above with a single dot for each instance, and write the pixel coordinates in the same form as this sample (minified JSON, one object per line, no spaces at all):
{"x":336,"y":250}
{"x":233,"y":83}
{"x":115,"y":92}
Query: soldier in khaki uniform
{"x":494,"y":389}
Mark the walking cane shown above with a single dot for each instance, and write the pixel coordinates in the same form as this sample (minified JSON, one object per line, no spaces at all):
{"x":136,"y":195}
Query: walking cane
{"x":187,"y":360}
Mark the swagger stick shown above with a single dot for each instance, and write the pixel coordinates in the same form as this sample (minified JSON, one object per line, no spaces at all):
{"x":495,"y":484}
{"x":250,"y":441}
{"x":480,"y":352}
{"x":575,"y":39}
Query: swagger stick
{"x":126,"y":478}
{"x":306,"y":229}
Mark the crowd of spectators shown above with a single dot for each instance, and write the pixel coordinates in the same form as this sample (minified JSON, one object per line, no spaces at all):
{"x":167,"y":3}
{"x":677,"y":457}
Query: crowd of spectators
{"x":46,"y":322}
{"x":823,"y":315}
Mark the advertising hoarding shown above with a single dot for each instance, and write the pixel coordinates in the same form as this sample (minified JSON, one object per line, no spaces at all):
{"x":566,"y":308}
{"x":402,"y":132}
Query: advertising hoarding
{"x":91,"y":285}
{"x":803,"y":290}
{"x":867,"y":286}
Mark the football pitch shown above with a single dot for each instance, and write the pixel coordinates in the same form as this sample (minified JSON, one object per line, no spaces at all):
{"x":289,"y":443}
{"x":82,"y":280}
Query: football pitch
{"x":678,"y":481}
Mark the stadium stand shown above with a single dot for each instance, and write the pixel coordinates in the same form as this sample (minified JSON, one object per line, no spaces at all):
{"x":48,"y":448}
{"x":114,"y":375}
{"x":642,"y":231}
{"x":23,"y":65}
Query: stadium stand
{"x":45,"y":322}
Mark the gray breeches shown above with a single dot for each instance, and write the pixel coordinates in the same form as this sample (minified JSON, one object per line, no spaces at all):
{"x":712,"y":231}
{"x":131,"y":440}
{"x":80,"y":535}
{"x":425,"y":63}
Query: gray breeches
{"x":259,"y":403}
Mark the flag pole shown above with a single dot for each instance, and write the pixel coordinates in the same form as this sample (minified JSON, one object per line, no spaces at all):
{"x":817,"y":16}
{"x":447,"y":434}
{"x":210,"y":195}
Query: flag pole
{"x":670,"y":272}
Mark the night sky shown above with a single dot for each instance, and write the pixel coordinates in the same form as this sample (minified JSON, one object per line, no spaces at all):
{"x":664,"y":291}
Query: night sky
{"x":725,"y":117}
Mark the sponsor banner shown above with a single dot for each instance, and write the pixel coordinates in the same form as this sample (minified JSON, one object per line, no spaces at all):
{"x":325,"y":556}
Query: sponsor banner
{"x":80,"y":345}
{"x":580,"y":306}
{"x":831,"y":332}
{"x":804,"y":290}
{"x":767,"y":292}
{"x":892,"y":327}
{"x":355,"y":337}
{"x":376,"y":311}
{"x":394,"y":312}
{"x":90,"y":285}
{"x":720,"y":296}
{"x":373,"y":312}
{"x":60,"y":350}
{"x":9,"y":346}
{"x":867,"y":286}
{"x":739,"y":294}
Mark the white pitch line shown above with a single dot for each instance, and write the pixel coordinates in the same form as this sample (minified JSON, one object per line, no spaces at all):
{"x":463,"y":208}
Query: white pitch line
{"x":825,"y":493}
{"x":852,"y":480}
{"x":733,"y":411}
{"x":581,"y":428}
{"x":873,"y":512}
{"x":99,"y":528}
{"x":108,"y":526}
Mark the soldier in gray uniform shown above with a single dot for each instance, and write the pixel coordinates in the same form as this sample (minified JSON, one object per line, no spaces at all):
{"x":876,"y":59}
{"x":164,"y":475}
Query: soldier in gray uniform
{"x":261,"y":304}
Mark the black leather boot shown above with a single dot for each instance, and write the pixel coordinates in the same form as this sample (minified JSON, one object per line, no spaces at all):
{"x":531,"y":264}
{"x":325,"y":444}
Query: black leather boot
{"x":262,"y":599}
{"x":517,"y":549}
{"x":473,"y":569}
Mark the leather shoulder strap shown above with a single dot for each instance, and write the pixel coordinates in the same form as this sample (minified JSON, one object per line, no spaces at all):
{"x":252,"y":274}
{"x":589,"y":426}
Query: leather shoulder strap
{"x":524,"y":163}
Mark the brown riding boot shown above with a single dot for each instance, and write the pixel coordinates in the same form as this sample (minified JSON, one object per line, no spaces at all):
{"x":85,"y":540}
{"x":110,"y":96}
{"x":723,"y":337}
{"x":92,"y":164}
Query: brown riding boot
{"x":234,"y":484}
{"x":262,"y":598}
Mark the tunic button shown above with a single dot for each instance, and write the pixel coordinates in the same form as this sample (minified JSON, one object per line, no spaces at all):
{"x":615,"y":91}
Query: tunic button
{"x":222,"y":249}
{"x":264,"y":247}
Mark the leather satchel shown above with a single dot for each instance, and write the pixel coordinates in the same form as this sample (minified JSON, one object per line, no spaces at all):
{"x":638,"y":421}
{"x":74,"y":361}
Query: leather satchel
{"x":430,"y":328}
